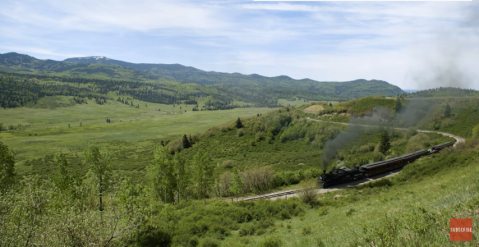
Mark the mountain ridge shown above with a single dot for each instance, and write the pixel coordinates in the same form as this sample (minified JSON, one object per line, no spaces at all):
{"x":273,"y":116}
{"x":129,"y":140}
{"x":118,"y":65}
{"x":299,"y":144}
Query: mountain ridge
{"x":229,"y":86}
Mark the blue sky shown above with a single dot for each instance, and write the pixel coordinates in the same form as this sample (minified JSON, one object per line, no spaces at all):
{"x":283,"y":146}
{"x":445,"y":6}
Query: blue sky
{"x":414,"y":45}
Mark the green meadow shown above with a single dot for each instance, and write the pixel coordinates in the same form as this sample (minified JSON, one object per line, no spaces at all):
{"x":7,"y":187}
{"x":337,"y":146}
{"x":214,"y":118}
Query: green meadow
{"x":53,"y":124}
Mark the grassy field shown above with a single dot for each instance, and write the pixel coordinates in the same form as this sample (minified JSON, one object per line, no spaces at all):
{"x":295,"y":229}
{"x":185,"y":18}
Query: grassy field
{"x":452,"y":192}
{"x":45,"y":128}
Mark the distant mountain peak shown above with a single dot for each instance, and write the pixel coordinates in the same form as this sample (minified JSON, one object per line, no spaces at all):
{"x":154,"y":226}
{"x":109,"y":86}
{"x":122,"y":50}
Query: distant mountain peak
{"x":92,"y":57}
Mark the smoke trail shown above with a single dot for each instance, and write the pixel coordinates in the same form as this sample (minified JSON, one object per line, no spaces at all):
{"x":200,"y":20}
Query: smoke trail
{"x":331,"y":147}
{"x":449,"y":58}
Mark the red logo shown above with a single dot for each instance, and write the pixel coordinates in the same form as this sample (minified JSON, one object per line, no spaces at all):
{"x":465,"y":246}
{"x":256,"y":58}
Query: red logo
{"x":460,"y":229}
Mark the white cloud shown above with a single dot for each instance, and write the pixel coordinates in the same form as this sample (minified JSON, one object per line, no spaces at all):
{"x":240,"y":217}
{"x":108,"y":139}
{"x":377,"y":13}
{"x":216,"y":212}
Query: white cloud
{"x":94,"y":15}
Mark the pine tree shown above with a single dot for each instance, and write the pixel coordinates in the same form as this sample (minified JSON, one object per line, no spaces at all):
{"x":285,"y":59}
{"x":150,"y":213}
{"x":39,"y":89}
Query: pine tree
{"x":447,"y":111}
{"x":239,"y":124}
{"x":385,"y":142}
{"x":398,"y":104}
{"x":186,"y":143}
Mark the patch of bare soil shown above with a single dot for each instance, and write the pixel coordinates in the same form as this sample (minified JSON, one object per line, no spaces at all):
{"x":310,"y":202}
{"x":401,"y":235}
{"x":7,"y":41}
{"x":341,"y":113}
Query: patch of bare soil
{"x":314,"y":109}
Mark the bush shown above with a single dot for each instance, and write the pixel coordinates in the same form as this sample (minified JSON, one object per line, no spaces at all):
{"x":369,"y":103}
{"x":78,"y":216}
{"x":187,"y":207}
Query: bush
{"x":240,"y":132}
{"x":247,"y":230}
{"x":152,"y":236}
{"x":209,"y":242}
{"x":306,"y":230}
{"x":308,"y":192}
{"x":350,"y":212}
{"x":271,"y":242}
{"x":323,"y":210}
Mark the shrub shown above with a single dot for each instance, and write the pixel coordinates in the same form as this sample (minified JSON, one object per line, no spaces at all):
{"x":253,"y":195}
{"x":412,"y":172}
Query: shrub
{"x":306,"y":230}
{"x":209,"y":242}
{"x":308,"y":191}
{"x":240,"y":132}
{"x":247,"y":230}
{"x":152,"y":236}
{"x":227,"y":164}
{"x":323,"y":210}
{"x":350,"y":212}
{"x":271,"y":242}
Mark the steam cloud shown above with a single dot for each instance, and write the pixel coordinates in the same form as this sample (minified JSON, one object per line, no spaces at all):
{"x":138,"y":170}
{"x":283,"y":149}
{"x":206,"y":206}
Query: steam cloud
{"x":450,"y":58}
{"x":377,"y":118}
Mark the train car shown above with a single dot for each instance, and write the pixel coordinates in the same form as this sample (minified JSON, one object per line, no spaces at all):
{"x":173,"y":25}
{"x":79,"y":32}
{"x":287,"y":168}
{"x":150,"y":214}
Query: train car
{"x":379,"y":167}
{"x":343,"y":175}
{"x":439,"y":147}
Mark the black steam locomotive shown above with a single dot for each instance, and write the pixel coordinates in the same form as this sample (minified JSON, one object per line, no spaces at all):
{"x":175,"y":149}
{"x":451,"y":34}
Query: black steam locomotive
{"x":344,"y":175}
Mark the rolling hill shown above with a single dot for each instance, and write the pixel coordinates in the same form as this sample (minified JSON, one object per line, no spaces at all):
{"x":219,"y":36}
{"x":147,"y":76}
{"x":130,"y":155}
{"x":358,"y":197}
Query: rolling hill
{"x":223,"y":87}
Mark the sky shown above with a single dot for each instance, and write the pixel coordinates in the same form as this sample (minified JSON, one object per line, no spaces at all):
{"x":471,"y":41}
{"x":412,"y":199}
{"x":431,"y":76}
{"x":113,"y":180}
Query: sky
{"x":414,"y":45}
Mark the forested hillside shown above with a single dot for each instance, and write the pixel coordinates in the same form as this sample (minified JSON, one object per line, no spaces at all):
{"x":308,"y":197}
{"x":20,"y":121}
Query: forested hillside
{"x":167,"y":84}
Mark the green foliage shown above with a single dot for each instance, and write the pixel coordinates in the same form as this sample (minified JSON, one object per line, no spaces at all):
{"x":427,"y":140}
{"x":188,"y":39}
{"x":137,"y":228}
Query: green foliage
{"x":7,"y":168}
{"x":271,"y":242}
{"x":185,"y":142}
{"x":385,"y":143}
{"x":398,"y":104}
{"x":202,"y":174}
{"x":236,"y":187}
{"x":306,"y":230}
{"x":322,"y":211}
{"x":239,"y":124}
{"x":475,"y":131}
{"x":361,"y":106}
{"x":62,"y":179}
{"x":31,"y":216}
{"x":160,"y":175}
{"x":447,"y":111}
{"x":99,"y":168}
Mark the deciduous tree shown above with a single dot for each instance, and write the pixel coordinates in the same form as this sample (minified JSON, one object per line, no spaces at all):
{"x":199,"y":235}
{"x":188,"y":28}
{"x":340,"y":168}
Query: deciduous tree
{"x":203,"y":174}
{"x":99,"y":161}
{"x":7,"y":167}
{"x":160,"y":175}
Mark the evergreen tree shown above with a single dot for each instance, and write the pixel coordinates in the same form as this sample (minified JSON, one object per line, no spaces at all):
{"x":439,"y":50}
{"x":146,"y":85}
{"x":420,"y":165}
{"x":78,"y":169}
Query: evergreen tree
{"x":186,"y":143}
{"x":330,"y":105}
{"x":385,"y":143}
{"x":239,"y":124}
{"x":447,"y":111}
{"x":398,"y":104}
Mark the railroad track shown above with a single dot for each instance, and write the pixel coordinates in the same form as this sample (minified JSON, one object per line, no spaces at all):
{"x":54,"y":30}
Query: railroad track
{"x":270,"y":195}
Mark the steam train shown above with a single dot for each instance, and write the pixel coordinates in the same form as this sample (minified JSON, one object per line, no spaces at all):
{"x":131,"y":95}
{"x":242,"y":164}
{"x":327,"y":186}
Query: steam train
{"x":344,"y":174}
